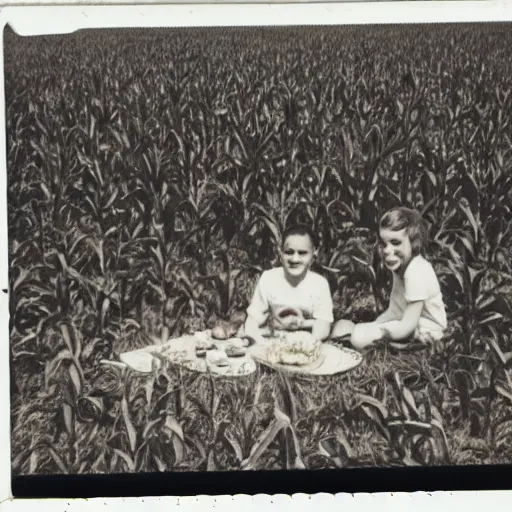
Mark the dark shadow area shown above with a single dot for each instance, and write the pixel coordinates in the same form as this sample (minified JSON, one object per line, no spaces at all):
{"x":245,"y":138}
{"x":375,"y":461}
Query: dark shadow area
{"x":266,"y":482}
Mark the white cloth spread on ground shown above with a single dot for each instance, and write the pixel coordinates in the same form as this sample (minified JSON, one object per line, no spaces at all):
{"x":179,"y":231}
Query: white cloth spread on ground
{"x":311,"y":296}
{"x":420,"y":284}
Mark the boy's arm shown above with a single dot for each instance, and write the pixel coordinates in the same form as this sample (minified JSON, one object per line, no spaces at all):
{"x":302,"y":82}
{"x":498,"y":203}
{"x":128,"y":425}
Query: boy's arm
{"x":257,"y":312}
{"x":321,"y":329}
{"x":252,"y":329}
{"x":401,"y":329}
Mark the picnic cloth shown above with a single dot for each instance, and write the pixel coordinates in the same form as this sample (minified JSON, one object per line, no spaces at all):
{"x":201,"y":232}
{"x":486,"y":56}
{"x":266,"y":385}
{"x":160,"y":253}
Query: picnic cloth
{"x":181,"y":351}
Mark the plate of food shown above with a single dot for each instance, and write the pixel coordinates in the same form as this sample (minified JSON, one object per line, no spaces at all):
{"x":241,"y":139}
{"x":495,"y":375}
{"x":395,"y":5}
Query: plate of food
{"x":299,"y":352}
{"x":337,"y":360}
{"x":295,"y":351}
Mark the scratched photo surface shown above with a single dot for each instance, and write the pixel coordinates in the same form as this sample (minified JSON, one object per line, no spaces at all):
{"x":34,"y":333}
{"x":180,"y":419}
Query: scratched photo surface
{"x":151,"y":175}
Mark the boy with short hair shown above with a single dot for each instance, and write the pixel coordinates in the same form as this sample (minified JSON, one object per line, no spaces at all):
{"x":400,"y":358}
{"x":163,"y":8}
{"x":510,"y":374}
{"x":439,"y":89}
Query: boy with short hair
{"x":292,"y":296}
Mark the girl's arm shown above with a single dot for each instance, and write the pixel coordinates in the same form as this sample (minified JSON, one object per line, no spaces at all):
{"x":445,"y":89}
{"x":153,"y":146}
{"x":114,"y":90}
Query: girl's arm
{"x":387,"y":316}
{"x":401,"y":329}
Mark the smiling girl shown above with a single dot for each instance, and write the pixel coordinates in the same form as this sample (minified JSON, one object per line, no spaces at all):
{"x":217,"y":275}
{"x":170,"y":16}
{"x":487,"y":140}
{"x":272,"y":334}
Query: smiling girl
{"x":416,"y":309}
{"x":292,"y":296}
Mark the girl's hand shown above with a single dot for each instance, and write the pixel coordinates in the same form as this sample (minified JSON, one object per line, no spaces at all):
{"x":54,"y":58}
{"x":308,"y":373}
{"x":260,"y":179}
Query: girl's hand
{"x":385,"y":334}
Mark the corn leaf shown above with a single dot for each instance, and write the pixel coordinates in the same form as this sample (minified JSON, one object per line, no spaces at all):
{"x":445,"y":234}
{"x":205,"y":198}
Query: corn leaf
{"x":130,"y":429}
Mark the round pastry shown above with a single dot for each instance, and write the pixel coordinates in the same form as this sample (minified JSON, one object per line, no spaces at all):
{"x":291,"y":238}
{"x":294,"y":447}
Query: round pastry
{"x":203,"y":335}
{"x":222,"y":362}
{"x":205,"y":345}
{"x":235,"y":351}
{"x":238,"y":342}
{"x":217,"y":358}
{"x":200,"y":352}
{"x":224,"y":330}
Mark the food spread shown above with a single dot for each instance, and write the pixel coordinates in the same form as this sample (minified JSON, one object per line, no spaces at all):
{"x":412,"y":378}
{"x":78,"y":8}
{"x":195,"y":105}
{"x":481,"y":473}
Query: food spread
{"x":206,"y":346}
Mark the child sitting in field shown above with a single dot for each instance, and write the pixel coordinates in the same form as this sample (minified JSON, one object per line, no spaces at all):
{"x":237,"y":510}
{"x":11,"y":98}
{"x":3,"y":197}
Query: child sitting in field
{"x":292,"y":296}
{"x":416,"y":309}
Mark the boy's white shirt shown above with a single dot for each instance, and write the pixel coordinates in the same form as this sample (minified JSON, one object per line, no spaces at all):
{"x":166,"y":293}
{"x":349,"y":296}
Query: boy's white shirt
{"x":312,"y":296}
{"x":419,"y":284}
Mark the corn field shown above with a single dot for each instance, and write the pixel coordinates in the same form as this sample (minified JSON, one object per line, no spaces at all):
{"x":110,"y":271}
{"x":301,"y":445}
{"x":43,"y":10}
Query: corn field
{"x":150,"y":175}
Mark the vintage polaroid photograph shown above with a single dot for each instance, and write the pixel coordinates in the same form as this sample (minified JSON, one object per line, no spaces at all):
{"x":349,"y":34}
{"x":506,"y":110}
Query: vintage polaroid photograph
{"x":259,"y":248}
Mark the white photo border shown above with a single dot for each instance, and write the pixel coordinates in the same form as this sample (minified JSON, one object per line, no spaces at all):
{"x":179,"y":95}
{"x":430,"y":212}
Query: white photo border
{"x":37,"y":20}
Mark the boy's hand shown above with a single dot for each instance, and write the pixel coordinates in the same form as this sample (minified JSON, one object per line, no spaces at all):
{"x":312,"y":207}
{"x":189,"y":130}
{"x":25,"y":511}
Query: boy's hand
{"x":292,"y":323}
{"x":288,"y":319}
